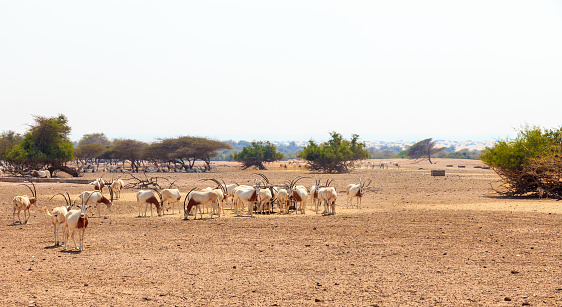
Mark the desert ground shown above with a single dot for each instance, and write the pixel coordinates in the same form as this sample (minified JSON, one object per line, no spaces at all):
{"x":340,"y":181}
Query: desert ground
{"x":417,"y":240}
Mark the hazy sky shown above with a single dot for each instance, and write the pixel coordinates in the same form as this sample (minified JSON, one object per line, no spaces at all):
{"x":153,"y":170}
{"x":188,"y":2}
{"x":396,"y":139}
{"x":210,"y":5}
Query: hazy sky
{"x":283,"y":70}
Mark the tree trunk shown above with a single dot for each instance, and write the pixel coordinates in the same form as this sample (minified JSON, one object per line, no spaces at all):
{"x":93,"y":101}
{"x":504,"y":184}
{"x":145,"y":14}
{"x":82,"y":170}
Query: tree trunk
{"x":69,"y":170}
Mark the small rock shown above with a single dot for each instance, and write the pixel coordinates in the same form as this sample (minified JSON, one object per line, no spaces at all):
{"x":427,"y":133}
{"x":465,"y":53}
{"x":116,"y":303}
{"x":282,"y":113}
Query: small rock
{"x":514,"y":272}
{"x":507,"y":299}
{"x":317,"y":300}
{"x":526,"y":304}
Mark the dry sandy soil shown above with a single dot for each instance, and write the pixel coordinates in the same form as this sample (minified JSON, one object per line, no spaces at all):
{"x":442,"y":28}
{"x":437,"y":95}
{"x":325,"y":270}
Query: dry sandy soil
{"x":418,"y":240}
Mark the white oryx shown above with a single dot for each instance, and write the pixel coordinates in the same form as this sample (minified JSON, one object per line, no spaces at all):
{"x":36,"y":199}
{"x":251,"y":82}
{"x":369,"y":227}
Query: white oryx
{"x":97,"y":198}
{"x":198,"y":199}
{"x":328,"y":196}
{"x":245,"y":195}
{"x":148,"y":198}
{"x":23,"y":203}
{"x":76,"y":220}
{"x":325,"y":194}
{"x":171,"y":196}
{"x":117,"y":186}
{"x":266,"y":196}
{"x":58,"y":216}
{"x":298,"y":194}
{"x":314,"y":198}
{"x":283,"y":199}
{"x":356,"y":190}
{"x":98,"y":184}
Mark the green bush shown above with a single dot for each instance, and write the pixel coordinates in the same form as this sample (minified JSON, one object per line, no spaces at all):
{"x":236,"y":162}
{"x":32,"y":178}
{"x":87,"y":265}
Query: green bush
{"x":530,"y":164}
{"x":257,"y":153}
{"x":335,"y":156}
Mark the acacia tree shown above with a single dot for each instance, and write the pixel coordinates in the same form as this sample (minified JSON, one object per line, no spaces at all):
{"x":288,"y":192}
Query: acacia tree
{"x":93,"y":146}
{"x":423,"y":149}
{"x":46,"y":144}
{"x":94,"y":138}
{"x":127,"y":149}
{"x":256,"y":154}
{"x":334,"y":156}
{"x":88,"y":151}
{"x":185,"y":150}
{"x":205,"y":149}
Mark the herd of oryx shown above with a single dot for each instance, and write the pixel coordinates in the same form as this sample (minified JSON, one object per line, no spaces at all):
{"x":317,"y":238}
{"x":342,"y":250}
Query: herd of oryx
{"x":262,"y":197}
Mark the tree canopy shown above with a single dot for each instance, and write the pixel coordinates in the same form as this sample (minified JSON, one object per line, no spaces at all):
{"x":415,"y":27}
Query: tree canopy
{"x":7,"y":140}
{"x":423,"y":149}
{"x":256,"y":154}
{"x":185,"y":150}
{"x":89,"y":151}
{"x":45,"y":144}
{"x":94,"y":138}
{"x":127,"y":149}
{"x":336,"y":155}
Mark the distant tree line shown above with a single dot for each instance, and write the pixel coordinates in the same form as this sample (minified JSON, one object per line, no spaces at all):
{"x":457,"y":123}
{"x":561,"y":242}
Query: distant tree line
{"x":291,"y":151}
{"x":47,"y":146}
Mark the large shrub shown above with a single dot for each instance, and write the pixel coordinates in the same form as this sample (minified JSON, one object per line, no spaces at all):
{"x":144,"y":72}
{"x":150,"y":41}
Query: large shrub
{"x":336,"y":155}
{"x":256,"y":154}
{"x":530,"y":164}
